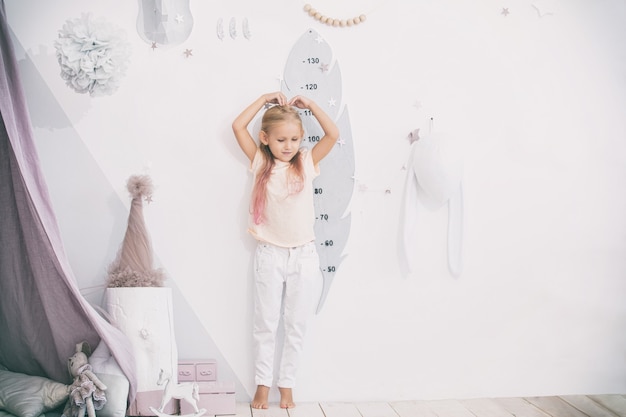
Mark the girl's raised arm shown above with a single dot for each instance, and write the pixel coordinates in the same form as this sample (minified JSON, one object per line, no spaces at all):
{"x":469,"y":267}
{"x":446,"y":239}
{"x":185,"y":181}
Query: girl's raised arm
{"x":331,"y":132}
{"x":240,"y":124}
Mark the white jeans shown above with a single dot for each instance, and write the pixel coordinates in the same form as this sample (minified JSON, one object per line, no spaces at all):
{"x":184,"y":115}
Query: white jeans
{"x":284,"y":278}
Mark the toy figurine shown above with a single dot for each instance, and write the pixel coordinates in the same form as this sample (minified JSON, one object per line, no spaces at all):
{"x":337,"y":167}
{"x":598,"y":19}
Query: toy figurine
{"x":86,"y":394}
{"x":188,"y":391}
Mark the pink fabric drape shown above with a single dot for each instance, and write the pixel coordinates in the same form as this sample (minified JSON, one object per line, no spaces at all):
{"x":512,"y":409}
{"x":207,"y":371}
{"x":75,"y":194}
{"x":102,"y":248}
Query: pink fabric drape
{"x":42,"y":313}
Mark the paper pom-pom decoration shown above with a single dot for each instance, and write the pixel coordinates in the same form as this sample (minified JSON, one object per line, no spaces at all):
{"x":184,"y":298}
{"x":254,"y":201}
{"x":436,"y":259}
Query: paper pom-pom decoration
{"x":93,"y":55}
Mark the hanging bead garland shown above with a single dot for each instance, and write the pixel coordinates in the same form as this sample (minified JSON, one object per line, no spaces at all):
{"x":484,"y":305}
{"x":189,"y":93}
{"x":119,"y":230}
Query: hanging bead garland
{"x":333,"y":22}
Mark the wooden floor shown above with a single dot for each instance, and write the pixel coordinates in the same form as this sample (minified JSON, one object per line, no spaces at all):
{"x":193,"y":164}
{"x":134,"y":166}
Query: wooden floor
{"x":564,"y":406}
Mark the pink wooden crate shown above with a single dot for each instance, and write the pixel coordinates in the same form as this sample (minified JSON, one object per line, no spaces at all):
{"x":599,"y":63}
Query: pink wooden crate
{"x":215,"y":397}
{"x":197,"y":370}
{"x":146,"y":399}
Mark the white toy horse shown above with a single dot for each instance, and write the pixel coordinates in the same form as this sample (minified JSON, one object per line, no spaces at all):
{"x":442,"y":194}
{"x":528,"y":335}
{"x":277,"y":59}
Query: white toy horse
{"x":187,"y":391}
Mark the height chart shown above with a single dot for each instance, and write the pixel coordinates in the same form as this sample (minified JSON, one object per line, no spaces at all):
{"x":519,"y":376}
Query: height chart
{"x":311,"y":72}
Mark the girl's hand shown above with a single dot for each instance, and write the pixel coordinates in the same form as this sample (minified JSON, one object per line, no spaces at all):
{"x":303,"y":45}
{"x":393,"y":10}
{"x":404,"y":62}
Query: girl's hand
{"x":301,"y":102}
{"x":275,"y":98}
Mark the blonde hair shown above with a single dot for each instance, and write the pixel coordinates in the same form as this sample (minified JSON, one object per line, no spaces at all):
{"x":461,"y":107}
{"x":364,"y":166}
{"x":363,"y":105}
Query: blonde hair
{"x":295,"y":177}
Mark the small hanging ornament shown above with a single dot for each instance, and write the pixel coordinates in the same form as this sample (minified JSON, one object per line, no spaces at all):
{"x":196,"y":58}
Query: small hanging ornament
{"x":220,"y":29}
{"x":245,"y":28}
{"x":332,"y":21}
{"x":232,"y":28}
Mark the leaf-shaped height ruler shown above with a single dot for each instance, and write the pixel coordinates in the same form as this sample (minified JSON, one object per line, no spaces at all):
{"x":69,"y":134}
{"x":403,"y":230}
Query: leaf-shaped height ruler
{"x":310,"y":72}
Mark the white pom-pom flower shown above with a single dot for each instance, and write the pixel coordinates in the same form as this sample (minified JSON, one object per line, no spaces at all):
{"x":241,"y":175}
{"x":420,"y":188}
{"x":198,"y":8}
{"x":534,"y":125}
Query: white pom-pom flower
{"x":93,"y":55}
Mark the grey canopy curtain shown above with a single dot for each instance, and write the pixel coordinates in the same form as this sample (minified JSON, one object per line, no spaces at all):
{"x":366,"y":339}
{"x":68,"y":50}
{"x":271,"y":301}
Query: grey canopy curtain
{"x":42,"y":313}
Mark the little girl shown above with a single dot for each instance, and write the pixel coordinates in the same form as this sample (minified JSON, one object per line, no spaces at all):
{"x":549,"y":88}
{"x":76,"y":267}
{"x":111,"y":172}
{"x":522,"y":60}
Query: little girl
{"x":282,"y":217}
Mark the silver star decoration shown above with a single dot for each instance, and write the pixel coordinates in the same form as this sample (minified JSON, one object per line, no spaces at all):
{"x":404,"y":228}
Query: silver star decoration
{"x":319,"y":39}
{"x":324,"y":67}
{"x":180,"y":18}
{"x":341,"y":142}
{"x":188,"y":53}
{"x":332,"y":102}
{"x":505,"y":11}
{"x":414,"y":136}
{"x":153,"y":46}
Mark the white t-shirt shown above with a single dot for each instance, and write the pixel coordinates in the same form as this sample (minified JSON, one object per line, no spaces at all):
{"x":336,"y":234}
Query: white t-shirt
{"x":288,"y":219}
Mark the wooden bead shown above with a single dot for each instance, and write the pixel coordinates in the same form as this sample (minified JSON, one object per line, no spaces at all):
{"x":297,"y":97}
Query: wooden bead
{"x":333,"y":22}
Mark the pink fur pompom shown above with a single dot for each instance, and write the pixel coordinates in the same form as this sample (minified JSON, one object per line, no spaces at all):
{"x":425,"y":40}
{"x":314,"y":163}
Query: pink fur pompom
{"x":140,"y":186}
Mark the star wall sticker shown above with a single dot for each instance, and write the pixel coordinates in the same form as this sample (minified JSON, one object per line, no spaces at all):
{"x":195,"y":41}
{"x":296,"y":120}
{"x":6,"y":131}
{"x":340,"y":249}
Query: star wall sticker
{"x":188,"y":53}
{"x":154,"y":46}
{"x":332,"y":102}
{"x":505,"y":11}
{"x":341,"y":142}
{"x":324,"y":67}
{"x":364,"y":188}
{"x":180,"y":18}
{"x":319,"y":39}
{"x":413,"y":136}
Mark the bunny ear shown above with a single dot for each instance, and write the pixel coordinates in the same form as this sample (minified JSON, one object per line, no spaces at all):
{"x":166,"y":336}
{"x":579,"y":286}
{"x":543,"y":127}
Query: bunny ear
{"x":83,"y":347}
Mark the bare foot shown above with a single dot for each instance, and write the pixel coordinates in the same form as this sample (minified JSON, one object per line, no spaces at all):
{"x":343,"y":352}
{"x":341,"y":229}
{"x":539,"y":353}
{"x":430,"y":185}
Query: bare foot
{"x":260,"y":397}
{"x":286,"y":398}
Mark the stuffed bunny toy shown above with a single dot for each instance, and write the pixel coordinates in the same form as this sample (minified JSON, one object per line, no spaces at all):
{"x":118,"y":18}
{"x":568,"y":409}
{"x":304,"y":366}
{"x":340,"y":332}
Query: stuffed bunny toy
{"x":87,"y":391}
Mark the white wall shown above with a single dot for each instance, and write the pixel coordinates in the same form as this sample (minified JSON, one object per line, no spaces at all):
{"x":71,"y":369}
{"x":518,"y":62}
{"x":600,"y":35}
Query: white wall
{"x":536,"y":103}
